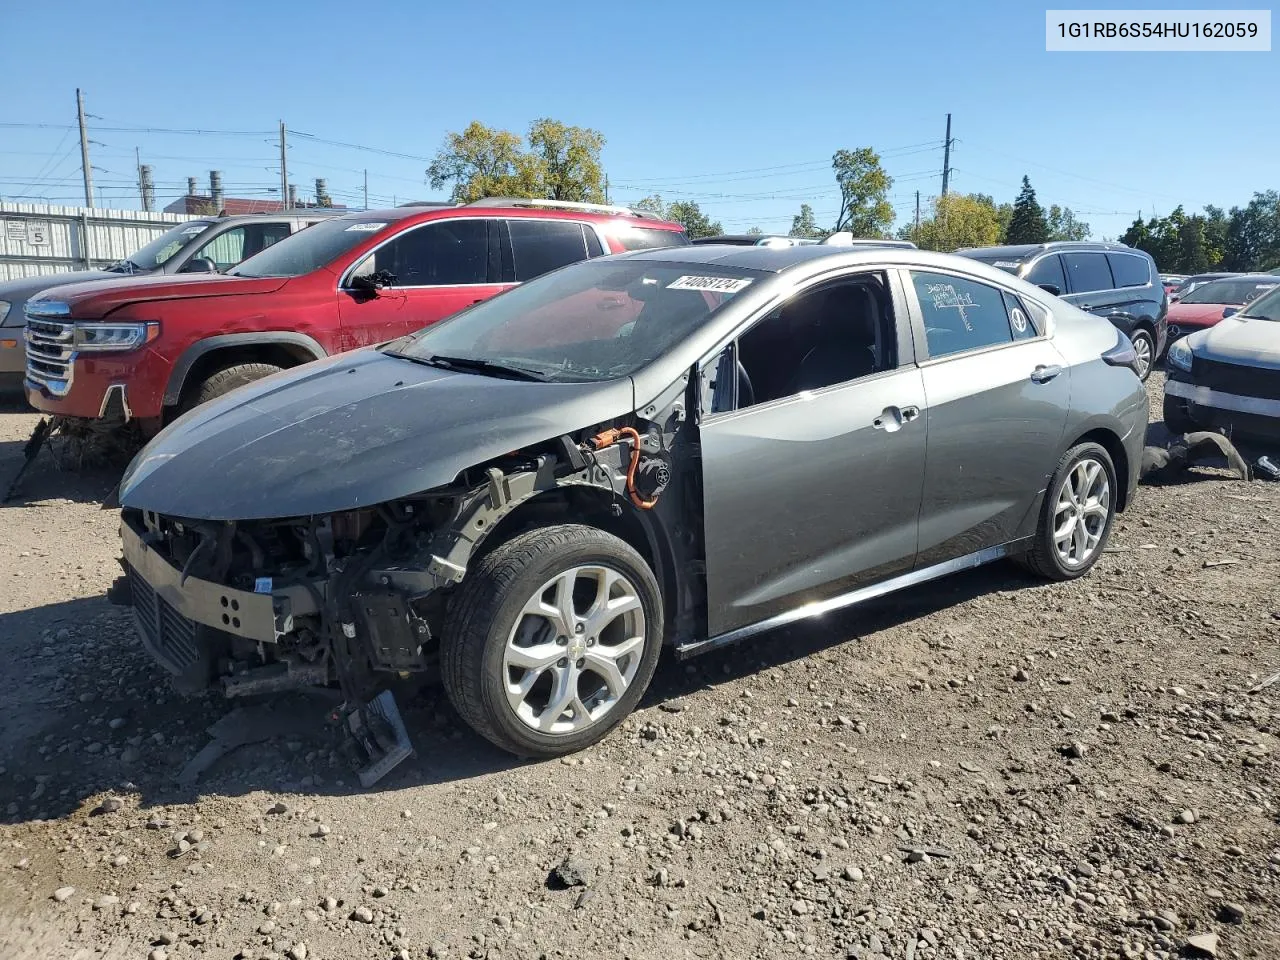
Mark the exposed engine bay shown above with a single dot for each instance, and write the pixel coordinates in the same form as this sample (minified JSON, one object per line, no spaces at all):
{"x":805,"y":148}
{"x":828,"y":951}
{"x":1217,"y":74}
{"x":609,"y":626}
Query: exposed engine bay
{"x":359,"y":597}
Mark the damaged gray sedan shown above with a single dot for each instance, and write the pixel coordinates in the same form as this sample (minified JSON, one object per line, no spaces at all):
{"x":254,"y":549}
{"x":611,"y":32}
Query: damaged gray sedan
{"x":679,"y":447}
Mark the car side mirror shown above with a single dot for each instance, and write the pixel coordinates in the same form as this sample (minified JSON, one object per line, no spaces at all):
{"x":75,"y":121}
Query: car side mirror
{"x":1050,"y":288}
{"x":199,"y":265}
{"x":1174,"y":298}
{"x":372,"y":283}
{"x":1229,"y":312}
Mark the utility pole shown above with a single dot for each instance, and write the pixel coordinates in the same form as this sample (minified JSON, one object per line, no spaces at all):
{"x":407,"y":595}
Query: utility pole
{"x":284,"y":170}
{"x":917,"y":211}
{"x":84,"y":151}
{"x":366,"y":188}
{"x":946,"y":158}
{"x":606,"y":188}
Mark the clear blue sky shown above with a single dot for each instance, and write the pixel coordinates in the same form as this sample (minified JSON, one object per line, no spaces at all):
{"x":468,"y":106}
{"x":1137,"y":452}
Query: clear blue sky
{"x":684,"y":92}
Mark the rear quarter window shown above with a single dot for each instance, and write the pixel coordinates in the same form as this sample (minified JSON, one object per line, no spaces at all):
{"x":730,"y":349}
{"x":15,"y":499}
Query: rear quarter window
{"x":646,"y":238}
{"x":1129,"y":270}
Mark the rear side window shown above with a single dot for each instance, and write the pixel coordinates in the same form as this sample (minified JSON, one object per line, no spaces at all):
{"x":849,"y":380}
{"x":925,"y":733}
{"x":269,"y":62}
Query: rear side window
{"x":1129,"y":270}
{"x":540,"y":246}
{"x":960,"y":314}
{"x":1048,"y":270}
{"x":645,"y":238}
{"x":1087,"y":272}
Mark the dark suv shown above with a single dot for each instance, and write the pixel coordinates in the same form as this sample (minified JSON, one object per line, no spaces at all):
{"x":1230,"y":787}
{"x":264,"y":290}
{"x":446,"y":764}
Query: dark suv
{"x":1109,"y":279}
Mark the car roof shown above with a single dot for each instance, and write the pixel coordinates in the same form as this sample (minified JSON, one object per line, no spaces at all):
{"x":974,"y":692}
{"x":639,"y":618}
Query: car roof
{"x":778,"y":259}
{"x":520,"y":208}
{"x":1024,"y":251}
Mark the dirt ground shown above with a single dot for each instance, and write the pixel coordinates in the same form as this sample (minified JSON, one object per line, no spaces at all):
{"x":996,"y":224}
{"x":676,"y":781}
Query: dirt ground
{"x":986,"y":767}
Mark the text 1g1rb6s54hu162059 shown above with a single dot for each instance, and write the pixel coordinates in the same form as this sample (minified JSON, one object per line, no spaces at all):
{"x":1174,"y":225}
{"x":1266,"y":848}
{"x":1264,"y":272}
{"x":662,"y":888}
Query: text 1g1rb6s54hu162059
{"x":1157,"y":30}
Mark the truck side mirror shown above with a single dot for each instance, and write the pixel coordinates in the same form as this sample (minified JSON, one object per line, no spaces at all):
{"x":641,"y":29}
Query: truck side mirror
{"x":199,"y":265}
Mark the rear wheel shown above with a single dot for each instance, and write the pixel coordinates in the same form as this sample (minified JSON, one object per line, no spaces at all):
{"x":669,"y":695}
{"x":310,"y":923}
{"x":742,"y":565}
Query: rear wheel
{"x":552,"y":639}
{"x":1144,"y":345}
{"x":1075,"y":521}
{"x":1177,"y":416}
{"x":223,"y":381}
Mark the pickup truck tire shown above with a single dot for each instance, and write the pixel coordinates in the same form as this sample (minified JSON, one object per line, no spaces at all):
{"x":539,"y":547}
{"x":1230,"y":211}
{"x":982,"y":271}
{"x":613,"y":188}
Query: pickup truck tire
{"x":225,"y":380}
{"x":501,"y":624}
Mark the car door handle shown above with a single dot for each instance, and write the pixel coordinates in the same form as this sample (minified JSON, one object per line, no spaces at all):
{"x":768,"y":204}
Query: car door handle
{"x":1045,"y":372}
{"x":891,"y":419}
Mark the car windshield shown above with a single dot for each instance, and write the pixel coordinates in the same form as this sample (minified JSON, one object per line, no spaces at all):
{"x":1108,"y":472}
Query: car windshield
{"x":309,"y":249}
{"x":1266,"y":307}
{"x":160,"y":250}
{"x":590,"y":321}
{"x":1230,"y":292}
{"x":1003,"y":262}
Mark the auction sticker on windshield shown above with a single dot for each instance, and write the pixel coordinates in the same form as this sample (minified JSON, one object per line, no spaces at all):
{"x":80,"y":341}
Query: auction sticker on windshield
{"x":365,"y":227}
{"x":712,"y":284}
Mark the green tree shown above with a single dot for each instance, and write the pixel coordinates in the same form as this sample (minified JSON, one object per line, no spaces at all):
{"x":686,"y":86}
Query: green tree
{"x":1063,"y":225}
{"x":480,"y":162}
{"x":1027,"y":225}
{"x":566,"y":161}
{"x":651,"y":204}
{"x":696,"y":223}
{"x":560,"y":163}
{"x":1193,"y":249}
{"x":957,"y":220}
{"x":805,"y":225}
{"x":865,"y":210}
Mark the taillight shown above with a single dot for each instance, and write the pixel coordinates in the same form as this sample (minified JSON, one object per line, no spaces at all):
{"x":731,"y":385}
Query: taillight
{"x":1122,"y":354}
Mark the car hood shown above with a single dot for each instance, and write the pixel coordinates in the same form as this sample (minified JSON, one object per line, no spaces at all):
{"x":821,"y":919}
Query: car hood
{"x":93,"y":301}
{"x":1254,"y":343}
{"x":350,"y":431}
{"x":1199,"y":313}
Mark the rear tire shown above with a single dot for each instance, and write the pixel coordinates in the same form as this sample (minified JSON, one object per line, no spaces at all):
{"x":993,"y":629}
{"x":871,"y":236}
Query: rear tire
{"x":1144,"y":345}
{"x":1075,"y":520}
{"x":1177,"y":416}
{"x":222,"y":382}
{"x":538,"y":652}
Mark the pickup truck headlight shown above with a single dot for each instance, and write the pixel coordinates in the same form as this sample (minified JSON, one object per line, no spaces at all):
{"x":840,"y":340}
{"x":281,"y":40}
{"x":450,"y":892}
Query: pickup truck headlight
{"x":1180,"y":356}
{"x":106,"y":337}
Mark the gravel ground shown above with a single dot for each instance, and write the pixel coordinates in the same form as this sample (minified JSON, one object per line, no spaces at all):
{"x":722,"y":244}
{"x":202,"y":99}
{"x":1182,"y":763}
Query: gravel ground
{"x":983,"y":768}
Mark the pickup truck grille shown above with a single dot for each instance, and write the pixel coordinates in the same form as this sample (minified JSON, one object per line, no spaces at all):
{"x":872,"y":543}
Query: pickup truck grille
{"x":50,"y":354}
{"x":168,"y":635}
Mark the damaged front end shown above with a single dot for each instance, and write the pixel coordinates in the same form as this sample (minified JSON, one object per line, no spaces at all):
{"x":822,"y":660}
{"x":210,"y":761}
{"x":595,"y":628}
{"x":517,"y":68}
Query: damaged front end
{"x":356,"y":597}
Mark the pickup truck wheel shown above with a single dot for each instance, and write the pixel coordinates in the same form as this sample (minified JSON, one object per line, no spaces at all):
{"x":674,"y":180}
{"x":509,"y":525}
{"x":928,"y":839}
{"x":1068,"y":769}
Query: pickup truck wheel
{"x":227,"y":379}
{"x":552,"y":639}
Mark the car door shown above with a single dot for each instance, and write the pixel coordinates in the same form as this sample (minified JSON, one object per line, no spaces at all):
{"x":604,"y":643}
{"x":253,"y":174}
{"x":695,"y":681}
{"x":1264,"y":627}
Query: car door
{"x":811,"y":480}
{"x":1090,"y":285}
{"x":435,"y":269}
{"x":997,"y":394}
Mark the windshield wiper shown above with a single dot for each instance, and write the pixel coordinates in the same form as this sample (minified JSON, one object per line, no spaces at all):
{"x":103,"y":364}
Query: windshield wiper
{"x":476,"y":365}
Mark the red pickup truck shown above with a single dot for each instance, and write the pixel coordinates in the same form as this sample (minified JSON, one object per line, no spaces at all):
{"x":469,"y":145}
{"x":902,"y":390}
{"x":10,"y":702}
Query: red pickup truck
{"x":149,"y":348}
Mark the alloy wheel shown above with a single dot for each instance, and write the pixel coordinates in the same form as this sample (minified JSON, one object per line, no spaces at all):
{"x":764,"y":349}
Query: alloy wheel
{"x":1143,"y":348}
{"x":574,"y":650}
{"x":1081,"y":514}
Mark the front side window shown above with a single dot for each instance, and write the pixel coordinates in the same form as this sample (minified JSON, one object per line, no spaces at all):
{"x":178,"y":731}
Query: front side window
{"x":225,"y":250}
{"x":1087,"y":272}
{"x":959,"y":314}
{"x":540,"y":246}
{"x":447,"y":253}
{"x":1021,"y":322}
{"x":593,"y":320}
{"x":1048,"y":271}
{"x":828,"y":335}
{"x":1129,"y":270}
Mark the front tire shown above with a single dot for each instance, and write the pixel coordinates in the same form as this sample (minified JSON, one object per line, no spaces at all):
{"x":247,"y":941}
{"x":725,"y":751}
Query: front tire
{"x":1075,"y":521}
{"x":1177,"y":416}
{"x":552,"y":639}
{"x":223,"y":381}
{"x":1144,"y":345}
